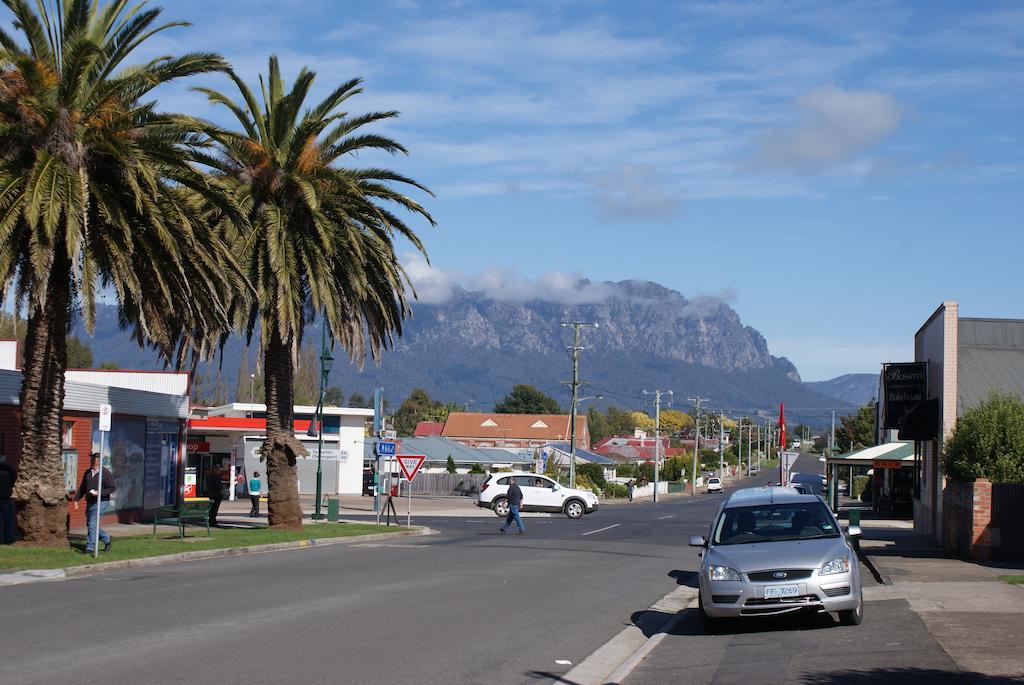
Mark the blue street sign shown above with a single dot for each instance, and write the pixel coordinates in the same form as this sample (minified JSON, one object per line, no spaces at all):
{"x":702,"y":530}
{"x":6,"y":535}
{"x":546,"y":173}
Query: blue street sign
{"x":385,"y":449}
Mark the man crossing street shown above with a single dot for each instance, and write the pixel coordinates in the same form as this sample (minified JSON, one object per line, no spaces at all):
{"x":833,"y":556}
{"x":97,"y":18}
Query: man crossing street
{"x":515,"y":500}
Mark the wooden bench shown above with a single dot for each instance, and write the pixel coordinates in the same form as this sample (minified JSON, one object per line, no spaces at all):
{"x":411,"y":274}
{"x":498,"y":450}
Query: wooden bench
{"x":196,"y":513}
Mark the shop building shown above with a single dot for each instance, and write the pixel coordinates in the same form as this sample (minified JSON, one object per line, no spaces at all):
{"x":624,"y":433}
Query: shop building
{"x":231,"y":436}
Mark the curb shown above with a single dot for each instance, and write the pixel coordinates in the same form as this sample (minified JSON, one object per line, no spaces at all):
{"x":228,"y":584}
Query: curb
{"x":37,"y":575}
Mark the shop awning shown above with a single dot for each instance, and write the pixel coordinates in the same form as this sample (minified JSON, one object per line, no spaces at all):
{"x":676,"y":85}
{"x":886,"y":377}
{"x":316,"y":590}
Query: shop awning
{"x":887,"y":455}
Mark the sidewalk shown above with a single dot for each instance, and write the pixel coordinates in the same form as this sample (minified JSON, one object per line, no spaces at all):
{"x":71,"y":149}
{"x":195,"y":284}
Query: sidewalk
{"x":975,"y":617}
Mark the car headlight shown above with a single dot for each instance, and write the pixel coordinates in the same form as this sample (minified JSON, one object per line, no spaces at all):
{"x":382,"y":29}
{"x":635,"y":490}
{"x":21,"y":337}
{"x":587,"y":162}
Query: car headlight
{"x":723,"y":573}
{"x":834,"y":566}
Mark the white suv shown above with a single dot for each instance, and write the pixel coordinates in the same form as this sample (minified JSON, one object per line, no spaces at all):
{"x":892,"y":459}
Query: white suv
{"x":540,"y":493}
{"x":714,"y":484}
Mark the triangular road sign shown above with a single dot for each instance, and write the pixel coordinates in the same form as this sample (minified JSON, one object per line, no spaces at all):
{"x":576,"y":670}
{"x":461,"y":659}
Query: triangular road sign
{"x":410,"y":464}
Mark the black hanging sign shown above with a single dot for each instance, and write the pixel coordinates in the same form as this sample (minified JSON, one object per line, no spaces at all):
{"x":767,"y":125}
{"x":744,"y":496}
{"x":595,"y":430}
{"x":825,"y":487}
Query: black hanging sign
{"x":906,"y":384}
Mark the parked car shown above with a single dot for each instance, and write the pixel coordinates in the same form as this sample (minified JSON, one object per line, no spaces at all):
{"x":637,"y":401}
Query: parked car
{"x":714,"y":484}
{"x":753,"y":470}
{"x":817,"y":483}
{"x":540,"y":493}
{"x":773,"y":551}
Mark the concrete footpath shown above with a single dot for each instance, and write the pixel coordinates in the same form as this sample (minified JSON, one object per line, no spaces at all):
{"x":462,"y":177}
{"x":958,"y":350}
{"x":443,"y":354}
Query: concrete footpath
{"x":975,"y":617}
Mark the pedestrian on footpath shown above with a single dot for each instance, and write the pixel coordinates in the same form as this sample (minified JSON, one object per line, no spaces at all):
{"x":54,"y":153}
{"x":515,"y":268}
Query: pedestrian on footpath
{"x":515,"y":500}
{"x":254,"y":494}
{"x":89,"y":489}
{"x":629,"y":490}
{"x":215,"y":491}
{"x":7,"y":509}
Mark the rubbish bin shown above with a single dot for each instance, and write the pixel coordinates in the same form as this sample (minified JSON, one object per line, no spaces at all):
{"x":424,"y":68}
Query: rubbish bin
{"x":853,"y":517}
{"x":333,"y":505}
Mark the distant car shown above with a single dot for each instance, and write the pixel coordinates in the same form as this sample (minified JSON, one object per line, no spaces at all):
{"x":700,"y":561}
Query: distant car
{"x":714,"y":484}
{"x":796,"y":444}
{"x":773,"y":551}
{"x":753,"y":470}
{"x":540,"y":493}
{"x":802,"y":488}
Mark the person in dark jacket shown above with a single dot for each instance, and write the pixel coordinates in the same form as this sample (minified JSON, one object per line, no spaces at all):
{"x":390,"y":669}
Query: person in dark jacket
{"x":7,"y":509}
{"x":215,"y":491}
{"x":515,"y":500}
{"x":89,"y":489}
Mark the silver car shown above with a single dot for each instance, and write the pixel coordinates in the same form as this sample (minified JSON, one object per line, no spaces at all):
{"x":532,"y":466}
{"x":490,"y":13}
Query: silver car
{"x":772,"y":550}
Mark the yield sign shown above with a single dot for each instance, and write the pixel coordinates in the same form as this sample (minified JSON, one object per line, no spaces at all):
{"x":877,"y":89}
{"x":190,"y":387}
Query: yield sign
{"x":410,"y":465}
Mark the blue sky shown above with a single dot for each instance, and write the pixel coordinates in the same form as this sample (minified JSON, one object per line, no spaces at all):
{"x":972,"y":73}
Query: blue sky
{"x":833,"y":170}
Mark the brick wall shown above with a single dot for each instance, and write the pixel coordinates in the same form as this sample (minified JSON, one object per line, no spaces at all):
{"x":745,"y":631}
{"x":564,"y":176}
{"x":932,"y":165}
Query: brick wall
{"x":967,"y":517}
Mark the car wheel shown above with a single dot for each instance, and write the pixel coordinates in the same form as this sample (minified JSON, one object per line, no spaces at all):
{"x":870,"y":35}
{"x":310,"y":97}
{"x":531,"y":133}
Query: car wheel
{"x":501,"y":507}
{"x":711,"y":624}
{"x":853,"y":617}
{"x":574,"y":509}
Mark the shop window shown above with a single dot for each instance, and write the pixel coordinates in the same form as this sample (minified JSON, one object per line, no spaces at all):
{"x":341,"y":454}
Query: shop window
{"x":67,"y":434}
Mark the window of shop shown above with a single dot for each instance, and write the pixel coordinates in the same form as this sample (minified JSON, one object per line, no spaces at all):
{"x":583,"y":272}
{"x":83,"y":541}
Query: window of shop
{"x":125,"y":456}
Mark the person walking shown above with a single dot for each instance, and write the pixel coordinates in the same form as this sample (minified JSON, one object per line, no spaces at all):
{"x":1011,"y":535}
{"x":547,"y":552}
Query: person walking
{"x":515,"y":500}
{"x":8,"y":475}
{"x":629,"y":490}
{"x":89,"y":489}
{"x":214,"y":489}
{"x":254,"y":494}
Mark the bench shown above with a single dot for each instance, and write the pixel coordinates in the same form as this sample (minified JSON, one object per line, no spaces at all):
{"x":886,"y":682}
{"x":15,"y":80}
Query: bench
{"x":196,"y":513}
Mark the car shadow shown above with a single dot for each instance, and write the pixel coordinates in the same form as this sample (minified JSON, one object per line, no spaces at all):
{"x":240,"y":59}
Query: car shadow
{"x":688,"y":623}
{"x":905,"y":676}
{"x":687,"y":578}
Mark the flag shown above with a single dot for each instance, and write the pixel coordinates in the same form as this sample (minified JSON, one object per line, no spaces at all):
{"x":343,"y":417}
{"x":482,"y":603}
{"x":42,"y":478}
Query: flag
{"x":782,"y":426}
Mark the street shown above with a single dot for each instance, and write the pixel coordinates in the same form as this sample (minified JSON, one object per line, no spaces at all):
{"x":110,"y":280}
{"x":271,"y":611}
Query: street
{"x":467,"y":605}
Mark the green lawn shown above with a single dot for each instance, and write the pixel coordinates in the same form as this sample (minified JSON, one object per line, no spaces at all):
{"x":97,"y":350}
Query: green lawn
{"x":16,"y":558}
{"x":1013,"y":580}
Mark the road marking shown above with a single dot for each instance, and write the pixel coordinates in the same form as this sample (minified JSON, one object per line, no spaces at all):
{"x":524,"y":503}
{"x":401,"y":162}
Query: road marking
{"x":662,"y":518}
{"x":563,"y":662}
{"x":614,"y":525}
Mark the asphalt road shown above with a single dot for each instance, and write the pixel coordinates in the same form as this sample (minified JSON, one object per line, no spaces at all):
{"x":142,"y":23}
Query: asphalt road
{"x":466,"y":606}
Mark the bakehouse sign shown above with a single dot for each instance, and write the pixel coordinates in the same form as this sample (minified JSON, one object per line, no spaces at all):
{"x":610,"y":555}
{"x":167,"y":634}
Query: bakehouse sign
{"x":906,"y":384}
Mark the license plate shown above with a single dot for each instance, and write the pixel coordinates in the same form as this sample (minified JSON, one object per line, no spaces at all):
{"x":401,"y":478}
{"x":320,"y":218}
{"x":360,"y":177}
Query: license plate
{"x":781,"y":591}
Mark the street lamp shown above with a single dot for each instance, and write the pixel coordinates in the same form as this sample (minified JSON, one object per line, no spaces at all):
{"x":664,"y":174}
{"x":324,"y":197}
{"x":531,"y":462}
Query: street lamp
{"x":326,"y":360}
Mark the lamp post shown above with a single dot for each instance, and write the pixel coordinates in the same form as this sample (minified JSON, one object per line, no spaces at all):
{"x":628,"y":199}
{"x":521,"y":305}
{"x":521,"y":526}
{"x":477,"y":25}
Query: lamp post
{"x":326,"y":360}
{"x":575,"y":385}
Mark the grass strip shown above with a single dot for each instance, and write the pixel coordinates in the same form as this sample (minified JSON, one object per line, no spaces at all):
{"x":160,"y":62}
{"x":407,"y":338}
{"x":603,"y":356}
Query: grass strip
{"x":18,"y":558}
{"x":1013,"y":580}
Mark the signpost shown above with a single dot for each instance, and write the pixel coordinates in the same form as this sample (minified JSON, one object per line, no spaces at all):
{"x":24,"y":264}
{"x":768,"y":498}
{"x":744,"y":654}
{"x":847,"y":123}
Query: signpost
{"x":410,"y":465}
{"x":105,"y":413}
{"x":383,"y":448}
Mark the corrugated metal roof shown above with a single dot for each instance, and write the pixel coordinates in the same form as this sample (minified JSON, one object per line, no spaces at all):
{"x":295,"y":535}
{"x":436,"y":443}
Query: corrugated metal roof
{"x":165,"y":382}
{"x":984,"y":368}
{"x":587,"y":455}
{"x":437,"y":449}
{"x":511,"y":426}
{"x":888,"y":450}
{"x":88,"y":397}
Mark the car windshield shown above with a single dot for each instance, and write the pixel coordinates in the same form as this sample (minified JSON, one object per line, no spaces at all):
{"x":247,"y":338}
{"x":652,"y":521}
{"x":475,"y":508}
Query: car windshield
{"x":774,"y":523}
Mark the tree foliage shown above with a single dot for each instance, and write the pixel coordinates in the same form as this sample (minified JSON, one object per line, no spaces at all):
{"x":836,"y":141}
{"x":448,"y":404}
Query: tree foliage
{"x":988,"y":441}
{"x":856,"y":430}
{"x":450,"y":466}
{"x":642,"y":421}
{"x":79,"y":354}
{"x":674,"y":421}
{"x":526,"y":399}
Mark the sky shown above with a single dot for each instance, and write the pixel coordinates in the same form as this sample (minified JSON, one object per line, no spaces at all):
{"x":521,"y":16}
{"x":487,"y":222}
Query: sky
{"x":834,"y":171}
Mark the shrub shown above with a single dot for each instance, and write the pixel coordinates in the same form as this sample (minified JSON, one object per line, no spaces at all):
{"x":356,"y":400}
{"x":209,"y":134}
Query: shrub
{"x":476,"y":468}
{"x":988,"y":441}
{"x":614,"y":490}
{"x":859,"y":484}
{"x":593,"y":472}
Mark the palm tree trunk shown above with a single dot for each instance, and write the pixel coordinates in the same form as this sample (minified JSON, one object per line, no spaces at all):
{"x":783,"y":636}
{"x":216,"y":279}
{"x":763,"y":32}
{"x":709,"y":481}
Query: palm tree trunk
{"x":281,"y":448}
{"x":39,"y":491}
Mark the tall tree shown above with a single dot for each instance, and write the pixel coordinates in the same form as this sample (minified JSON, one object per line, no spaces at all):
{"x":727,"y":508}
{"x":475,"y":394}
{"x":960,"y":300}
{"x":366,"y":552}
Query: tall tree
{"x":318,"y":240}
{"x":857,"y":430}
{"x":526,"y":399}
{"x":79,"y":354}
{"x":96,"y":189}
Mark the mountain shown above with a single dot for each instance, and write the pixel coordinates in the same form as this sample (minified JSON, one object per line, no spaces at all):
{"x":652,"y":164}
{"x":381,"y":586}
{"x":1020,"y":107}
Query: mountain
{"x":856,"y":388}
{"x":473,"y":347}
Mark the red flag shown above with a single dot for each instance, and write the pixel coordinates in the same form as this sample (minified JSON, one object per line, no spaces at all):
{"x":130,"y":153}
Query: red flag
{"x":782,"y":426}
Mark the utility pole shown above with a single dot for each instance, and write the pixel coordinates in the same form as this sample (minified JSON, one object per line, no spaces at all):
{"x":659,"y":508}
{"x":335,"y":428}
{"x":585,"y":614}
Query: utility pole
{"x":575,"y":384}
{"x":750,"y":440}
{"x":657,"y":437}
{"x":721,"y":447}
{"x":696,"y":442}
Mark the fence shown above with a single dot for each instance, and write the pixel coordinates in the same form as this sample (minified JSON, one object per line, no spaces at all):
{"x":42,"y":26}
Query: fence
{"x":1007,"y":515}
{"x":447,"y":484}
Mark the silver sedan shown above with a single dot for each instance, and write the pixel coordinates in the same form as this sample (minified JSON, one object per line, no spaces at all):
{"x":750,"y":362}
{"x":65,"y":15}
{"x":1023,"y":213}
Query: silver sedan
{"x":771,"y":551}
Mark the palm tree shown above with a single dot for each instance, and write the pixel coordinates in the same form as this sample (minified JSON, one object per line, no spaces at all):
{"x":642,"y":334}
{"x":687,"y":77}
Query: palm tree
{"x":97,"y":191}
{"x":318,"y":240}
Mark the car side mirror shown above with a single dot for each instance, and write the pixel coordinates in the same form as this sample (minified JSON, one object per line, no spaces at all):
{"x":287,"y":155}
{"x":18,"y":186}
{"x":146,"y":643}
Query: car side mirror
{"x":698,"y":541}
{"x":556,"y":487}
{"x":853,"y":531}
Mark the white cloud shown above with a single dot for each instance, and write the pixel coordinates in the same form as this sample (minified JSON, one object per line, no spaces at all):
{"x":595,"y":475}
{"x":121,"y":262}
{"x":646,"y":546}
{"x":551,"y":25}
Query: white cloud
{"x":835,"y":126}
{"x":636,"y":191}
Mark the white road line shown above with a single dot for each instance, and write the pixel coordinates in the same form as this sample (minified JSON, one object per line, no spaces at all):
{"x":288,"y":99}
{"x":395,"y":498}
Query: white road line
{"x":614,"y":525}
{"x":662,"y":518}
